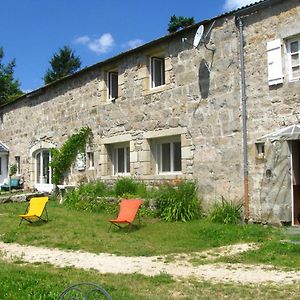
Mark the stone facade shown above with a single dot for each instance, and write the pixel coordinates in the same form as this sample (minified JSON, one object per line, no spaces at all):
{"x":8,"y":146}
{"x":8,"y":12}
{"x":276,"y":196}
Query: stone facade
{"x":199,"y":105}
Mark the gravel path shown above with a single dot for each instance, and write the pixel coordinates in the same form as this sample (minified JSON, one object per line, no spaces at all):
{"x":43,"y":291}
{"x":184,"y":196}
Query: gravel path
{"x":149,"y":266}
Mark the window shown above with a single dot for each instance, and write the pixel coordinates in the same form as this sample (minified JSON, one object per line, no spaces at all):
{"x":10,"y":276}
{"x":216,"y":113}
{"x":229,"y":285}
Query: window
{"x":169,"y":156}
{"x":0,"y":165}
{"x":112,"y":81}
{"x":293,"y":50}
{"x":260,"y":150}
{"x":90,"y":162}
{"x":121,"y":160}
{"x":157,"y":67}
{"x":18,"y":164}
{"x":80,"y":161}
{"x":42,"y":167}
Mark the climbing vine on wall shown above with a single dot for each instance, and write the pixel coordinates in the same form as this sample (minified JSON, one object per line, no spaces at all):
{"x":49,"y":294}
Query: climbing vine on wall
{"x":63,"y":158}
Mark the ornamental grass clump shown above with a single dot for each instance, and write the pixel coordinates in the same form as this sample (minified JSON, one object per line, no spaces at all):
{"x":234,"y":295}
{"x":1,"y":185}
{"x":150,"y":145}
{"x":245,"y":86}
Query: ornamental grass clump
{"x":178,"y":203}
{"x":226,"y":212}
{"x":125,"y":186}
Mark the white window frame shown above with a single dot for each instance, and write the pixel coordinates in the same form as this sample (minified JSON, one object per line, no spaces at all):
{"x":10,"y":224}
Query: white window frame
{"x":18,"y":164}
{"x":290,"y":54}
{"x":112,"y":94}
{"x":153,"y":82}
{"x":159,"y":155}
{"x":40,"y":181}
{"x":115,"y":160}
{"x":91,"y":160}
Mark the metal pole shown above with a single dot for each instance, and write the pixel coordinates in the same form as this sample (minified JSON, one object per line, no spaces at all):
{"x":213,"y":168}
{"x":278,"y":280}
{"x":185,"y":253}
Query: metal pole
{"x":244,"y":118}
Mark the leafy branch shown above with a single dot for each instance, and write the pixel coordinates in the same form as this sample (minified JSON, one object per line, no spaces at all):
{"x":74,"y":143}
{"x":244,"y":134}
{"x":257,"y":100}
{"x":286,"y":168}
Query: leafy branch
{"x":63,"y":158}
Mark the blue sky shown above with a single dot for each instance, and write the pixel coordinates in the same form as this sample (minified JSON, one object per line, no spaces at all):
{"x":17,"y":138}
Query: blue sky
{"x":32,"y":30}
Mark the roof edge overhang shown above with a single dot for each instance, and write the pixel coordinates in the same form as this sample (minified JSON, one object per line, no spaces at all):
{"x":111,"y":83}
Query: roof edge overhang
{"x":3,"y":148}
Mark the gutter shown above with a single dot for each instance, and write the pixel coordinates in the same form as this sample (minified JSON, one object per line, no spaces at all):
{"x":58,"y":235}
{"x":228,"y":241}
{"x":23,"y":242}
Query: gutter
{"x":239,"y":15}
{"x":244,"y":120}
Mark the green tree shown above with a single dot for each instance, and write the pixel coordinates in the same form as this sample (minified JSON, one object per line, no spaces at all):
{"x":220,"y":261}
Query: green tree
{"x":63,"y":63}
{"x":176,"y":23}
{"x":9,"y":87}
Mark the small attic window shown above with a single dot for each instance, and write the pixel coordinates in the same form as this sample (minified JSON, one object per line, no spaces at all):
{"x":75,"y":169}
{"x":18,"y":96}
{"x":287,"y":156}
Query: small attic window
{"x":260,"y":150}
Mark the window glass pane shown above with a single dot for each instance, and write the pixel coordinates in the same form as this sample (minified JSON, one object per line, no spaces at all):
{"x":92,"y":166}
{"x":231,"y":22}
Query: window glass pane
{"x":295,"y":59}
{"x":121,"y":162}
{"x":38,"y":168}
{"x":165,"y":157}
{"x":17,"y":160}
{"x":0,"y":165}
{"x":294,"y":47}
{"x":113,"y":85}
{"x":296,"y":71}
{"x":46,"y":170}
{"x":91,"y":159}
{"x":177,"y":156}
{"x":127,"y":160}
{"x":157,"y":71}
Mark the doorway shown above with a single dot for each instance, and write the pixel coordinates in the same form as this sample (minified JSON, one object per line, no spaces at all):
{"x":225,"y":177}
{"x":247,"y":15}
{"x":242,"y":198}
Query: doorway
{"x":295,"y":167}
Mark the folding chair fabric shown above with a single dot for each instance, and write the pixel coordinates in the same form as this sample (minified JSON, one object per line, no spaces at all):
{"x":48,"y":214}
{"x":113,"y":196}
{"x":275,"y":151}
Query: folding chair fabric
{"x":128,"y":211}
{"x":35,"y":209}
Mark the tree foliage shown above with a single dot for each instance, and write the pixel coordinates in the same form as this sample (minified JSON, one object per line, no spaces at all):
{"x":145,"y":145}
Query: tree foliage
{"x":9,"y":87}
{"x":179,"y":22}
{"x":63,"y":63}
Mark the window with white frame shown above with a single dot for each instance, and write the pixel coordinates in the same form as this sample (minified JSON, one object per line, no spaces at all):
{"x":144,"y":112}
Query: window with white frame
{"x":90,"y":162}
{"x":42,"y":167}
{"x":293,"y":51}
{"x":157,"y":71}
{"x":168,"y":155}
{"x":112,"y":85}
{"x":18,"y":164}
{"x":121,"y":159}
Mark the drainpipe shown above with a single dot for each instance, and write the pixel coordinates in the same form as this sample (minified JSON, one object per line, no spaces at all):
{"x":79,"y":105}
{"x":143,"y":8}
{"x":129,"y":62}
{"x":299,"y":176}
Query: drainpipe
{"x":244,"y":118}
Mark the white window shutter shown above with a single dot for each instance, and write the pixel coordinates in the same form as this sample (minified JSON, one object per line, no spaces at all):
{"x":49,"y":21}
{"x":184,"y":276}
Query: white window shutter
{"x":275,"y":75}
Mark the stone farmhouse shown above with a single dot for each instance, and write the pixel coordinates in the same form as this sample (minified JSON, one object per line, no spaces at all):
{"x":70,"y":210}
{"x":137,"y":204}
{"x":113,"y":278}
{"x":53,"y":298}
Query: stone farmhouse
{"x":223,"y":112}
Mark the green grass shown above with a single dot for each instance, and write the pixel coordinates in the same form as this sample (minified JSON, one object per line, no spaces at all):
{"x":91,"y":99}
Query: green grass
{"x":70,"y":229}
{"x":44,"y":282}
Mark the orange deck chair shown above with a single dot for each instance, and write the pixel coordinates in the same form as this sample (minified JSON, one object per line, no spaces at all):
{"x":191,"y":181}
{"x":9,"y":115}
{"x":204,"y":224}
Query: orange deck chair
{"x":35,"y":210}
{"x":127,"y":213}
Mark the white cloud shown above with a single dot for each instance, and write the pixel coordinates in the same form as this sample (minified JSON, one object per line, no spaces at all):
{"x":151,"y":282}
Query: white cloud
{"x":133,"y":43}
{"x":100,"y":45}
{"x":82,"y":39}
{"x":234,"y":4}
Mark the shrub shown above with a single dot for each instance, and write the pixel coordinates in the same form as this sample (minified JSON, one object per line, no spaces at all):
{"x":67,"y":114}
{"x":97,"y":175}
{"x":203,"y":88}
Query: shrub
{"x":125,"y":185}
{"x":178,"y":203}
{"x":89,"y":197}
{"x":226,"y":212}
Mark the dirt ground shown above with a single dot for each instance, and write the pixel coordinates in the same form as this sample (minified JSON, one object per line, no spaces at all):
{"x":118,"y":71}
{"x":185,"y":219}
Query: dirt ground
{"x":178,"y":266}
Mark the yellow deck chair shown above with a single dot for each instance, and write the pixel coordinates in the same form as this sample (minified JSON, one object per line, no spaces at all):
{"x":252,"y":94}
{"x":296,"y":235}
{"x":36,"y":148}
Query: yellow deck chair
{"x":35,"y":210}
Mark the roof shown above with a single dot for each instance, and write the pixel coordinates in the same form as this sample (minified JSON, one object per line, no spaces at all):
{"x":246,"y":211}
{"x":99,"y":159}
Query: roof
{"x":288,"y":133}
{"x":237,"y":13}
{"x":3,"y":148}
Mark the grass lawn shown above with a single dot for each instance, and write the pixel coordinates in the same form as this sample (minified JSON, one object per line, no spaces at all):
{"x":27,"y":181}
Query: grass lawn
{"x":68,"y":229}
{"x":44,"y":282}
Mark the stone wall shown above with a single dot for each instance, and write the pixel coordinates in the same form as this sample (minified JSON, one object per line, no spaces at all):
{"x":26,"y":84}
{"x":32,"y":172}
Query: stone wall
{"x":199,"y":104}
{"x":269,"y":109}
